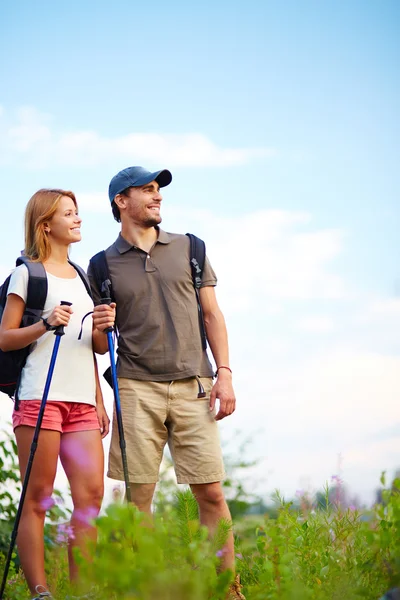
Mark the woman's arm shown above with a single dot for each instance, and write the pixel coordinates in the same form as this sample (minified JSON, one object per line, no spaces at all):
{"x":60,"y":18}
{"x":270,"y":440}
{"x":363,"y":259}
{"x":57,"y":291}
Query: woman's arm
{"x":14,"y":337}
{"x":102,"y":416}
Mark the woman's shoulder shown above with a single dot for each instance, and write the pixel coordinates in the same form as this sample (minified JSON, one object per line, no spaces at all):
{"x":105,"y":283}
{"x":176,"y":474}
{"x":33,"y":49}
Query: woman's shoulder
{"x":20,"y":273}
{"x":19,"y":281}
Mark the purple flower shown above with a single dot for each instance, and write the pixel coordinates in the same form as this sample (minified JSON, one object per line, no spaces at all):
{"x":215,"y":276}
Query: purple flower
{"x":86,"y":515}
{"x":219,"y":553}
{"x":299,"y":493}
{"x":47,"y":502}
{"x":64,"y":533}
{"x":238,"y":555}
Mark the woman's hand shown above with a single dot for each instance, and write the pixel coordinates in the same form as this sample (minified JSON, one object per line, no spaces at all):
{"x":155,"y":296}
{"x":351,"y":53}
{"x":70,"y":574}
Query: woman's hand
{"x":60,"y":315}
{"x":104,"y":421}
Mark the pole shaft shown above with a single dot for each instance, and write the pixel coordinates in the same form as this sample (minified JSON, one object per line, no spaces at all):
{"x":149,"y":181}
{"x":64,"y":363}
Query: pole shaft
{"x":118,"y":413}
{"x":30,"y":462}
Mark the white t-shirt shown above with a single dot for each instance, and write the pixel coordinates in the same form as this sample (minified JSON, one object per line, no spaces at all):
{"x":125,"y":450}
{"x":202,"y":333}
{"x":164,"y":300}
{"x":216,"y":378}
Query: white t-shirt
{"x":73,"y":377}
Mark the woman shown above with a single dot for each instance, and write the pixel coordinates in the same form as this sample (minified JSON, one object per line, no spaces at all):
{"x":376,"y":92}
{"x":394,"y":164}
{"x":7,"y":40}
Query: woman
{"x":74,"y":420}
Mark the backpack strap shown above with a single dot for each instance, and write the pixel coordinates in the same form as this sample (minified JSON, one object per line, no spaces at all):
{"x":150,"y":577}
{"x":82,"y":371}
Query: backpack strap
{"x":36,"y":292}
{"x":35,"y":300}
{"x":82,"y":274}
{"x":197,"y":259}
{"x":101,"y":275}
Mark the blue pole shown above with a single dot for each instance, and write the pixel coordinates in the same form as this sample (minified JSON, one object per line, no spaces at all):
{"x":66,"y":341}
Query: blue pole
{"x":118,"y":412}
{"x":59,"y":332}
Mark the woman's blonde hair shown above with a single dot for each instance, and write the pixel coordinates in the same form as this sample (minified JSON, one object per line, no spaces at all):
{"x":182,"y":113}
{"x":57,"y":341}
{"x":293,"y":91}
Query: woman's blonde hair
{"x":39,"y":210}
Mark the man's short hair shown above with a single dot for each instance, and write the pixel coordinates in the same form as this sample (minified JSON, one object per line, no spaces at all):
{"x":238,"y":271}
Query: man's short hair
{"x":115,"y":211}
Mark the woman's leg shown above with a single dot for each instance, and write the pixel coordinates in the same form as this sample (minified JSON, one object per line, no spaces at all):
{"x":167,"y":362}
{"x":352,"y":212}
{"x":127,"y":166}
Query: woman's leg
{"x":82,"y":457}
{"x":30,"y":540}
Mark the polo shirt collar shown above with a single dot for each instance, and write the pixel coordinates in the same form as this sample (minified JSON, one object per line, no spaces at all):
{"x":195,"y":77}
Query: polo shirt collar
{"x":122,"y":245}
{"x":163,"y":236}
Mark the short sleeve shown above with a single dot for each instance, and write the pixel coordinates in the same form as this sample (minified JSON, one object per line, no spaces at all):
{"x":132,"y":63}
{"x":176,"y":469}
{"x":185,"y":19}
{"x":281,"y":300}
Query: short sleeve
{"x":19,"y":282}
{"x":209,"y":277}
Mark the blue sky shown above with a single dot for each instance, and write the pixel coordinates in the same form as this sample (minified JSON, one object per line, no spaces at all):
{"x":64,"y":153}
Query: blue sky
{"x":280,"y":123}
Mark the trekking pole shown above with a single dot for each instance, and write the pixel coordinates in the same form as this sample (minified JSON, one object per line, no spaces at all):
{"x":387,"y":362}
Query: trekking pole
{"x":59,"y":332}
{"x":106,"y":299}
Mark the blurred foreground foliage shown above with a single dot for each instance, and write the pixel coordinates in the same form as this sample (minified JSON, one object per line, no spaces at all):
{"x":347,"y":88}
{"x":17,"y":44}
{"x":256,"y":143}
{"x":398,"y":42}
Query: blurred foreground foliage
{"x":297,"y":551}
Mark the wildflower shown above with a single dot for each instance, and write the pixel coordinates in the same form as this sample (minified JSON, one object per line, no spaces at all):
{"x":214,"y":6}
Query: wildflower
{"x":239,"y":556}
{"x":47,"y":502}
{"x":219,"y":553}
{"x":299,"y":493}
{"x":64,"y":533}
{"x":86,"y":515}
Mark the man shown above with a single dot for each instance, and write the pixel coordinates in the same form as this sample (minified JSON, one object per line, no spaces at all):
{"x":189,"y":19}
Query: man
{"x":163,"y":369}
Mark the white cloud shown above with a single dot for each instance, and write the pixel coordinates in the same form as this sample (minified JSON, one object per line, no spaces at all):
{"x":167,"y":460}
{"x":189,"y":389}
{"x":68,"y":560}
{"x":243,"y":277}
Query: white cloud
{"x":94,"y":203}
{"x":383,"y":308}
{"x":315,"y":324}
{"x":35,"y":139}
{"x":266,"y":256}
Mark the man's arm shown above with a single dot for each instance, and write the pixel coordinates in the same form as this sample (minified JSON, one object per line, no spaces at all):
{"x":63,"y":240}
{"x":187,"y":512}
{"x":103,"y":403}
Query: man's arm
{"x":218,"y":340}
{"x":103,"y":317}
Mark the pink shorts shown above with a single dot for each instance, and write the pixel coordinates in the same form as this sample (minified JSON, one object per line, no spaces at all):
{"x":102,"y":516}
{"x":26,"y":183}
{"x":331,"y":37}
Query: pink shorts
{"x":64,"y":417}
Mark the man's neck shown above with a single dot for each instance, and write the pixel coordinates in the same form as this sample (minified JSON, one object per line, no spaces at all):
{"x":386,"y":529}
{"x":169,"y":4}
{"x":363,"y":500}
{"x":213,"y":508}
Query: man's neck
{"x":141,"y":237}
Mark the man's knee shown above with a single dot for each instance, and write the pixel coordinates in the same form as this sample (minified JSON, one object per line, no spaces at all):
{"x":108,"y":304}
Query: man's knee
{"x":209,"y":494}
{"x":142,"y":495}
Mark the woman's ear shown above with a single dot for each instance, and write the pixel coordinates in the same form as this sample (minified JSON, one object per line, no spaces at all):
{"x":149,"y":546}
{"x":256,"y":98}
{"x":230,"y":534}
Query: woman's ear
{"x":46,"y":228}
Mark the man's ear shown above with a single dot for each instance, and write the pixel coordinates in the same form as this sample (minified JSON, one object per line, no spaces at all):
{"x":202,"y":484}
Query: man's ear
{"x":120,"y":201}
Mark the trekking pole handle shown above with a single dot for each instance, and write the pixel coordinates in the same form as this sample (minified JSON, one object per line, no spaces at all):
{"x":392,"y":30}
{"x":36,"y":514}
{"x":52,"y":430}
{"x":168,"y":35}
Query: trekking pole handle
{"x":60,"y":329}
{"x":106,"y":299}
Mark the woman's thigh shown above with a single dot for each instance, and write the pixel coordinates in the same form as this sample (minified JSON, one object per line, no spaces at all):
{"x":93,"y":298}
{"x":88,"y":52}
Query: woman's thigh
{"x":82,"y":457}
{"x":44,"y":466}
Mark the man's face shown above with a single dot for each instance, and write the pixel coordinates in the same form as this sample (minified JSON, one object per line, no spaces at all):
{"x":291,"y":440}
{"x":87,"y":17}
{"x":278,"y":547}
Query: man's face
{"x":142,"y":204}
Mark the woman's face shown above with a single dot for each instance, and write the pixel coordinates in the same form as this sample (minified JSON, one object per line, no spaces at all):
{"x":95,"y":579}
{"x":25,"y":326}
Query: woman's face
{"x":65,"y":225}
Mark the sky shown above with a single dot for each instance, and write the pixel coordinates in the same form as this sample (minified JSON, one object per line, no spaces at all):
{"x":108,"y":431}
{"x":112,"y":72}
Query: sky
{"x":280,"y":124}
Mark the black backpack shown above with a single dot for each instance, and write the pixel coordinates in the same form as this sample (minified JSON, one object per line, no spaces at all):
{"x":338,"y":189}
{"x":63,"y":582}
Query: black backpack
{"x":13,"y":361}
{"x":101,"y":275}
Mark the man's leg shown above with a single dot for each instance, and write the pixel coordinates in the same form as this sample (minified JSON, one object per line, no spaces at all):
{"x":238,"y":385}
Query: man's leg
{"x":213,"y":508}
{"x":196,"y":451}
{"x":144,"y":412}
{"x":142,"y":495}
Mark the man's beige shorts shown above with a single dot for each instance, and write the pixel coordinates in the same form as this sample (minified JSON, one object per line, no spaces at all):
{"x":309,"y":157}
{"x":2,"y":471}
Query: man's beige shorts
{"x":155,"y":413}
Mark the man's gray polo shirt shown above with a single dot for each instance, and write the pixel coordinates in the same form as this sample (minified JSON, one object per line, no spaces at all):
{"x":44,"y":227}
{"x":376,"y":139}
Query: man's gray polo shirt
{"x":157,"y":313}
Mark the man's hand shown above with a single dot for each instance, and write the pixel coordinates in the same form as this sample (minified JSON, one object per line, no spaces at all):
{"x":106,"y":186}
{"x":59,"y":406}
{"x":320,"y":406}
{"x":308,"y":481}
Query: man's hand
{"x":104,"y":316}
{"x":223,"y":390}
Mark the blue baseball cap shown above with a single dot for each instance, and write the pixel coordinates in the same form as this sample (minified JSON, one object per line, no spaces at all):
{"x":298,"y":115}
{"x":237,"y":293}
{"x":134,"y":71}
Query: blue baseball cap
{"x":135,"y":177}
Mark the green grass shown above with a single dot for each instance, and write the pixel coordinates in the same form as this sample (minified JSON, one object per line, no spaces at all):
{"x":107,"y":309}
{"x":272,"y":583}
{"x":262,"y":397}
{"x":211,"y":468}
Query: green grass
{"x":298,"y":555}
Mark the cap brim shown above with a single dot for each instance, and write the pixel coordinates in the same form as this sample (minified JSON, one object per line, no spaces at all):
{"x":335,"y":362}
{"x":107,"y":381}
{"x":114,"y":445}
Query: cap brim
{"x":163,"y":178}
